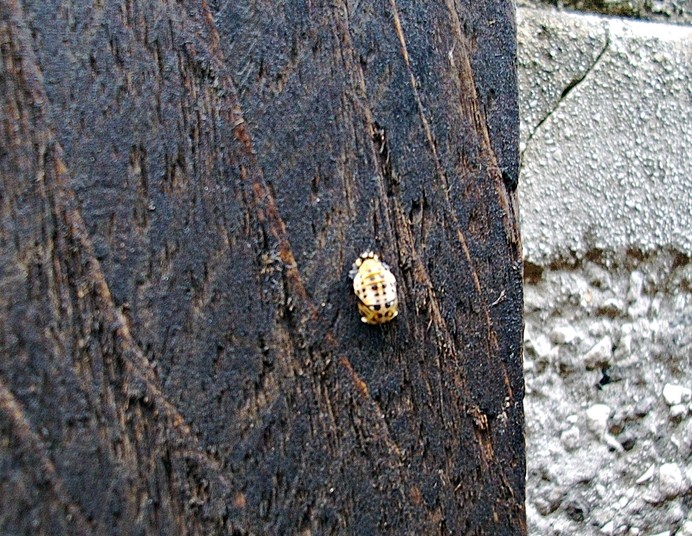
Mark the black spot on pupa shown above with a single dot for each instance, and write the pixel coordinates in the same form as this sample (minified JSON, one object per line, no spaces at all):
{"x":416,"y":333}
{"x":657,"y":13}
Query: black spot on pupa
{"x":376,"y":307}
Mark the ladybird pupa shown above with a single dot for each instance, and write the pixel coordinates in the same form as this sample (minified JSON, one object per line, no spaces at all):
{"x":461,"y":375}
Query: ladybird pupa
{"x":375,"y":286}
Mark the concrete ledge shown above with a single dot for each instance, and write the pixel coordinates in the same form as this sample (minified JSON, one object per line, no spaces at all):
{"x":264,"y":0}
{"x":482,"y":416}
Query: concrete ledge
{"x":606,"y":107}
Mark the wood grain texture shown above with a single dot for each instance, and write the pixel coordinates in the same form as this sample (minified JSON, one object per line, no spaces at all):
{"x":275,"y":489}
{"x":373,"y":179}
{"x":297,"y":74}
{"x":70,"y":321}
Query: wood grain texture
{"x":184,"y":186}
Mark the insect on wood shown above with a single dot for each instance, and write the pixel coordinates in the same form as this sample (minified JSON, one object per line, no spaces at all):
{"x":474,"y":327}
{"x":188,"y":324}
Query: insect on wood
{"x":375,"y":287}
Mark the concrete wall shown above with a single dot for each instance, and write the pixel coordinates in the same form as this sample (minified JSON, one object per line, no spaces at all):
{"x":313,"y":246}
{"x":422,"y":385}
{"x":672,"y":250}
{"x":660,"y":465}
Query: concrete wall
{"x":606,"y":200}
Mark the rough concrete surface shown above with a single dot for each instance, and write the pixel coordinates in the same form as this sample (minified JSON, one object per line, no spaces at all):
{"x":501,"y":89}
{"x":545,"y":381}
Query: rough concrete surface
{"x":606,"y":202}
{"x":605,"y":154}
{"x":677,"y":11}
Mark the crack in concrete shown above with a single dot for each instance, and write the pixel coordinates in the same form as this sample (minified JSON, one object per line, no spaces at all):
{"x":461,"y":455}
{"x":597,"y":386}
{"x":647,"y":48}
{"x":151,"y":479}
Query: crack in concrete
{"x":565,"y":92}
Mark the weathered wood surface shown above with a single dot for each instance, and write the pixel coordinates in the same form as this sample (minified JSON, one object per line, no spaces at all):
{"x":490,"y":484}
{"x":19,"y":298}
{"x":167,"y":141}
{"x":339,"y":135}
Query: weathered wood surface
{"x":184,"y":187}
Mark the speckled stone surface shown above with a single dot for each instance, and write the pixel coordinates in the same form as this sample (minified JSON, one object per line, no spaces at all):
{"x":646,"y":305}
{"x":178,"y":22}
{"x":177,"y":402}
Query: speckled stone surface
{"x":606,"y":202}
{"x":606,"y":138}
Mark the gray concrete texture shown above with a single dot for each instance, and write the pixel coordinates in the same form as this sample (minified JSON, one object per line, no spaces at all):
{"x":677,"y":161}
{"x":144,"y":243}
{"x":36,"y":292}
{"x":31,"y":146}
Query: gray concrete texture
{"x":676,"y":11}
{"x":607,"y":110}
{"x":606,"y":202}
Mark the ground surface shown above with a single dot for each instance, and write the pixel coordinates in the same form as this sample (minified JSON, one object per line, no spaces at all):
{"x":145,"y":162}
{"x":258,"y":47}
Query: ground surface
{"x":605,"y":198}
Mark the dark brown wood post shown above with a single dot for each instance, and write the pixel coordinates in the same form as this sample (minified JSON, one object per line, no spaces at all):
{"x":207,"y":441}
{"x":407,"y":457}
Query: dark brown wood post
{"x":183,"y":189}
